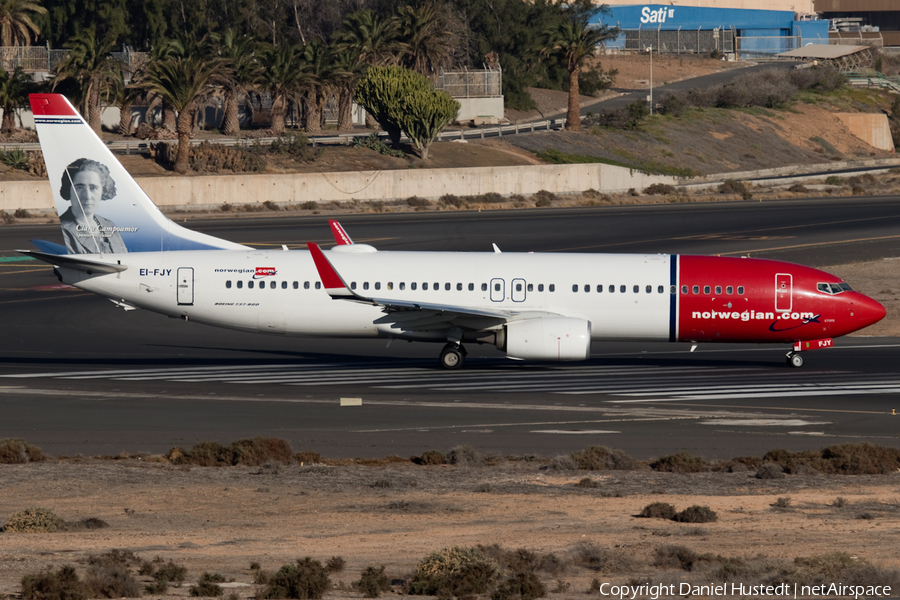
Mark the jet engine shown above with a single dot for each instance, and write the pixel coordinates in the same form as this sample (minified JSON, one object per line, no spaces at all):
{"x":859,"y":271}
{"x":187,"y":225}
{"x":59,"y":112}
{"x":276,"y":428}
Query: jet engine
{"x":547,"y":338}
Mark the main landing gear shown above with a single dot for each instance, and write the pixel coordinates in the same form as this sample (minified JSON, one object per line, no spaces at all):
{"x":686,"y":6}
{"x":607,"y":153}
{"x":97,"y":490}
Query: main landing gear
{"x":794,"y":359}
{"x":452,"y":356}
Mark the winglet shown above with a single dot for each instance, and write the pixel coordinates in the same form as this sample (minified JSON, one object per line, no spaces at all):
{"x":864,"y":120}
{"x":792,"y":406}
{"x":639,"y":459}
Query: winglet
{"x":333,"y":283}
{"x":340,"y":234}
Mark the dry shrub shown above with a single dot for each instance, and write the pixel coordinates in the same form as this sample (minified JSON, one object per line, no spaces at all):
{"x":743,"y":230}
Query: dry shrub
{"x":835,"y":567}
{"x":543,"y":198}
{"x":308,"y":457}
{"x":249,"y":452}
{"x":587,"y":482}
{"x":601,"y":458}
{"x":683,"y":462}
{"x":211,"y":158}
{"x":783,"y":502}
{"x":798,"y":188}
{"x":373,"y":581}
{"x":696,"y":514}
{"x":335,"y":564}
{"x":604,"y":560}
{"x":208,"y":586}
{"x":416,"y":202}
{"x":842,"y":459}
{"x":659,"y":189}
{"x":34,"y":520}
{"x":658,"y":510}
{"x":108,"y":575}
{"x":64,"y":584}
{"x":463,"y":456}
{"x":429,"y":457}
{"x":88,"y":523}
{"x":16,"y":451}
{"x":452,"y":200}
{"x":457,"y":571}
{"x":730,"y":186}
{"x":770,"y":471}
{"x":307,"y":579}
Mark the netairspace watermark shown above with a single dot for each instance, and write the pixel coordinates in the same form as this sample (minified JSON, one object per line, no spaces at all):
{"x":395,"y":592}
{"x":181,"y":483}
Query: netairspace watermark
{"x":784,"y":590}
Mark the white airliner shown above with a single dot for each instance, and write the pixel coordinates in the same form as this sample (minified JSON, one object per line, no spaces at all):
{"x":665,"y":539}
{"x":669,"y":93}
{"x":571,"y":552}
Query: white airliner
{"x":531,"y":306}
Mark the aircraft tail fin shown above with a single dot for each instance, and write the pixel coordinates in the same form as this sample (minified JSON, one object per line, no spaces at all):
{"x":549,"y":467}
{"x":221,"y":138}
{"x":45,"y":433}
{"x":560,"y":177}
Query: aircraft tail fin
{"x":101,"y":207}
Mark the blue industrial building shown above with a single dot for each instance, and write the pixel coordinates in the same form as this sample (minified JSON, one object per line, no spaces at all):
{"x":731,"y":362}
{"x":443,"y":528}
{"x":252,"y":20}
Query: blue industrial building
{"x":690,"y":29}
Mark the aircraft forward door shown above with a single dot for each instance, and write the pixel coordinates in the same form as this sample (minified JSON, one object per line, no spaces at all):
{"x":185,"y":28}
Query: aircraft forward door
{"x":518,"y":290}
{"x":498,"y":290}
{"x":784,"y":300}
{"x":185,"y":293}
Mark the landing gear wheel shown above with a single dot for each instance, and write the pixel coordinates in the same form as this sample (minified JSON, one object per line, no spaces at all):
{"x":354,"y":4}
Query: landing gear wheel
{"x":452,"y":356}
{"x":794,"y":360}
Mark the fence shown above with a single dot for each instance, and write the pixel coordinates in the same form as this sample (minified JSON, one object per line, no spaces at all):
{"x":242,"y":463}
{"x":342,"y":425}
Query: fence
{"x":680,"y":41}
{"x":481,"y":83}
{"x":34,"y":59}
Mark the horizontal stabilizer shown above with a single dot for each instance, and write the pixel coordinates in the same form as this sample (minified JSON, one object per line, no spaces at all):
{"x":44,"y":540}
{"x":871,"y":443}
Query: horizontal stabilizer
{"x":74,"y":261}
{"x":49,"y":247}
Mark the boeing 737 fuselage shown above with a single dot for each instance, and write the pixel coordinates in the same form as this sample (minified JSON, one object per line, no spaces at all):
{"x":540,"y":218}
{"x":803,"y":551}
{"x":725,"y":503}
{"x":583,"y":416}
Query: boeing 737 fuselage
{"x":531,"y":306}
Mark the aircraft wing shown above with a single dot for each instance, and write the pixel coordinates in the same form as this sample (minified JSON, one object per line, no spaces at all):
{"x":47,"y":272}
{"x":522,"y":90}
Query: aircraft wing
{"x":76,"y":261}
{"x":419,"y":316}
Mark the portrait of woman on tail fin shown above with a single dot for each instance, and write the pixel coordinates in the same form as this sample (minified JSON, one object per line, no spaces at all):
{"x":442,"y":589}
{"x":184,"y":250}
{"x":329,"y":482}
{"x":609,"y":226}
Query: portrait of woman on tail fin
{"x":85,"y":184}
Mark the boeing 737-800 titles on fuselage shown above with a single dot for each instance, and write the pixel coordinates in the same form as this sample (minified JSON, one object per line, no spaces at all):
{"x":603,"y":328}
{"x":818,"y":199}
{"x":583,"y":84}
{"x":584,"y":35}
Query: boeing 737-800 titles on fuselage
{"x":531,"y":306}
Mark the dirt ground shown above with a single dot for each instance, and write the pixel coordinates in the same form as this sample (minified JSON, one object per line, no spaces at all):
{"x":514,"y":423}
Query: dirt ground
{"x":222,"y":519}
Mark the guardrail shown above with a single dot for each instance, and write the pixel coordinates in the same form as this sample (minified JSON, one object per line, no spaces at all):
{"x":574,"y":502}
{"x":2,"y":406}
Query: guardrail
{"x":874,"y":79}
{"x":344,"y":139}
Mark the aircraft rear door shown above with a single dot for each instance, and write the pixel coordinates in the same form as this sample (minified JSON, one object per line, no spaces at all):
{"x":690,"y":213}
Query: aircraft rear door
{"x":498,"y":290}
{"x":783,"y":292}
{"x":185,"y":283}
{"x":518,"y":290}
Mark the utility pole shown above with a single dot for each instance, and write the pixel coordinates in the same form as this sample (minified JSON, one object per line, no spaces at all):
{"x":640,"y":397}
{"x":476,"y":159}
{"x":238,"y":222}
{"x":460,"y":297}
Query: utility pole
{"x":650,"y":50}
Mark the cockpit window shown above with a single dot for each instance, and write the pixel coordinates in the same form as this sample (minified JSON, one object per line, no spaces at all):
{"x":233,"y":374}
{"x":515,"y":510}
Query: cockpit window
{"x":833,"y":288}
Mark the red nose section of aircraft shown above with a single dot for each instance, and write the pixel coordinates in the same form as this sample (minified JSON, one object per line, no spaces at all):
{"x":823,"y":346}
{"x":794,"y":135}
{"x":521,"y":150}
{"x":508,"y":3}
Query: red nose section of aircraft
{"x":863,"y":310}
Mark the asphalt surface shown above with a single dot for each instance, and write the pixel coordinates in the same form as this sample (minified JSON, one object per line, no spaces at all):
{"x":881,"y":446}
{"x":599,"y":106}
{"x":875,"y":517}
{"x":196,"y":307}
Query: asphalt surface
{"x":79,"y":376}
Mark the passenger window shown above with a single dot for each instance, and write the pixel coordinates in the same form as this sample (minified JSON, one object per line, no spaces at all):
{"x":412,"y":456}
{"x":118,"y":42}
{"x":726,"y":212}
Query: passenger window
{"x":471,"y":287}
{"x":551,"y":287}
{"x":437,"y":286}
{"x":622,"y":289}
{"x":240,"y":284}
{"x":650,"y":289}
{"x":706,"y":289}
{"x":424,"y":286}
{"x":684,"y":289}
{"x":365,"y":285}
{"x":297,"y":285}
{"x":483,"y":287}
{"x":599,"y":289}
{"x":403,"y":285}
{"x":575,"y":288}
{"x":447,"y":287}
{"x":718,"y":290}
{"x":637,"y":289}
{"x":695,"y":289}
{"x":284,"y":285}
{"x":352,"y":285}
{"x":272,"y":285}
{"x":661,"y":289}
{"x":612,"y":289}
{"x":390,"y":285}
{"x":673,"y":289}
{"x":729,"y":290}
{"x":228,"y":284}
{"x":740,"y":290}
{"x":530,"y":287}
{"x":318,"y":285}
{"x":518,"y":287}
{"x":250,"y":284}
{"x":458,"y":287}
{"x":540,"y":287}
{"x":305,"y":285}
{"x":587,"y":288}
{"x":412,"y":286}
{"x":496,"y":287}
{"x":377,"y":285}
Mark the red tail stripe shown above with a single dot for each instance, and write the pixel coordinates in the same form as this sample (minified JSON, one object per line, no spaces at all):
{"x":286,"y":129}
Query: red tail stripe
{"x":50,"y":105}
{"x":330,"y":278}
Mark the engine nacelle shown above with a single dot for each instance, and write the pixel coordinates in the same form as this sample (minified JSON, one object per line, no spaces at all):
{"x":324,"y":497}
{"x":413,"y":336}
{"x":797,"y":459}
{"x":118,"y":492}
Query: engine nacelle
{"x":547,"y":338}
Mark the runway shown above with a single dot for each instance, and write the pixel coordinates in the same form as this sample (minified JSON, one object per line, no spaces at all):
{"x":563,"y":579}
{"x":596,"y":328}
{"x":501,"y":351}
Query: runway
{"x":79,"y":376}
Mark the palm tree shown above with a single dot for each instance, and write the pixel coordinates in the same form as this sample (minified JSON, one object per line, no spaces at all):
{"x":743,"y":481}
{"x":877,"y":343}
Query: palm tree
{"x":14,"y":89}
{"x":239,"y":52}
{"x":346,"y":72}
{"x":124,"y":95}
{"x":425,"y":43}
{"x":318,"y":82}
{"x":283,"y":77}
{"x":90,"y":65}
{"x":370,"y":37}
{"x":16,"y":26}
{"x":184,"y":81}
{"x":574,"y":40}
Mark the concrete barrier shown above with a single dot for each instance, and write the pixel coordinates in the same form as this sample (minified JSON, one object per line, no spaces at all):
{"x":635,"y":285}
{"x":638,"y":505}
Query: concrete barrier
{"x":873,"y":129}
{"x":206,"y":191}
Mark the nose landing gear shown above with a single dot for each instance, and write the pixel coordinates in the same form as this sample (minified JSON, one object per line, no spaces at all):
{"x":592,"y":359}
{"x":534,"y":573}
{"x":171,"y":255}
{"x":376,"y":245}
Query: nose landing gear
{"x":452,"y":356}
{"x":794,"y":360}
